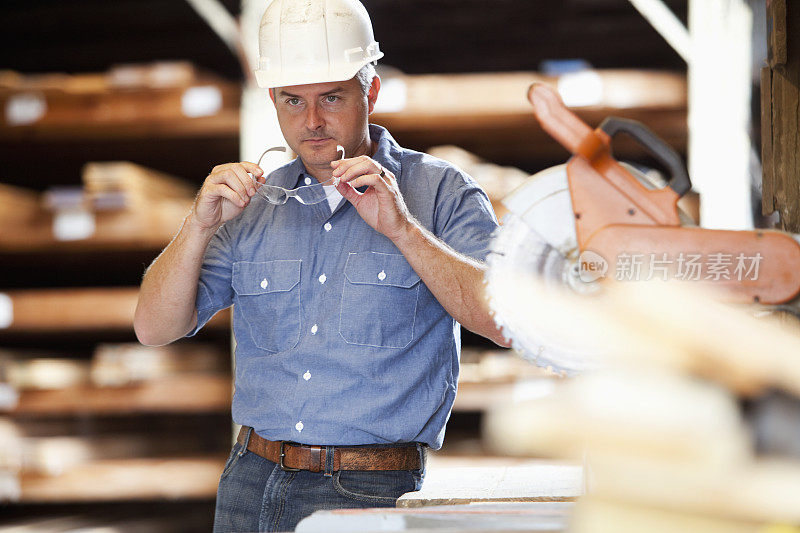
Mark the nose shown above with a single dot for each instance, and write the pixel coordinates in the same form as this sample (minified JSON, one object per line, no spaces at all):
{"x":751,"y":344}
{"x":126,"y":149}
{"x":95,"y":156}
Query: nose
{"x":314,"y":119}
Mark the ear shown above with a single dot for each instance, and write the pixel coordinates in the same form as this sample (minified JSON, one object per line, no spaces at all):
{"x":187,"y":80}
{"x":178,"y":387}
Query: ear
{"x":272,"y":96}
{"x":372,"y":95}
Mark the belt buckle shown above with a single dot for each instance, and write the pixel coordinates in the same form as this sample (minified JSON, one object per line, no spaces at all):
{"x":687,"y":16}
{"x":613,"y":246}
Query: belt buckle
{"x":283,"y":454}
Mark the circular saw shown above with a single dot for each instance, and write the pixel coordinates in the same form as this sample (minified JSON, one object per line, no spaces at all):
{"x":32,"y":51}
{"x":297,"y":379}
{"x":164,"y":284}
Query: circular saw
{"x":594,"y":221}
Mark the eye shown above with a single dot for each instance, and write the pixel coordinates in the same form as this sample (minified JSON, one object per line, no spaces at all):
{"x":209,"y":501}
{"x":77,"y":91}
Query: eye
{"x":293,"y":101}
{"x":331,"y":98}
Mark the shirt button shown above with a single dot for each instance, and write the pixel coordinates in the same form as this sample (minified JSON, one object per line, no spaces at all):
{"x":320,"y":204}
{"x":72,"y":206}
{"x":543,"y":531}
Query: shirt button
{"x":299,"y":426}
{"x":322,"y":278}
{"x":307,"y":375}
{"x":308,"y":181}
{"x":314,"y":329}
{"x":264,"y":283}
{"x":327,"y":226}
{"x":382,"y":275}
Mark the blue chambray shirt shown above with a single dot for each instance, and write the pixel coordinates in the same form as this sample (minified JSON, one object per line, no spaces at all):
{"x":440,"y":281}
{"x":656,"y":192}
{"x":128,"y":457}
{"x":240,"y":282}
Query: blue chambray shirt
{"x":339,"y":342}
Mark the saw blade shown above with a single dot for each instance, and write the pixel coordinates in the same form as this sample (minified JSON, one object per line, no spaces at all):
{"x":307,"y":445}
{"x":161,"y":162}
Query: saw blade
{"x":537,"y":239}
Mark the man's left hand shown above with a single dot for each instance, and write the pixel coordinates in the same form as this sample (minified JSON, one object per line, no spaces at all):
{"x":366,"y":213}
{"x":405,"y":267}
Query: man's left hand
{"x":381,"y":205}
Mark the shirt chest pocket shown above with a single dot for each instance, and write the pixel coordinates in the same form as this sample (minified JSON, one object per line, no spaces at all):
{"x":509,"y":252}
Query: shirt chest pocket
{"x":379,"y":300}
{"x":268,"y":298}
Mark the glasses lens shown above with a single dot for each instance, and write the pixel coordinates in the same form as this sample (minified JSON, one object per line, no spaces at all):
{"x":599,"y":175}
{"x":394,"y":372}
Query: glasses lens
{"x":274,"y":195}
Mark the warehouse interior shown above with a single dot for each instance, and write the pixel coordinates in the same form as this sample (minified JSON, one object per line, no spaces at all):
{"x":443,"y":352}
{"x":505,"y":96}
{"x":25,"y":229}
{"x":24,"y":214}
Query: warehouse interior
{"x":116,"y":112}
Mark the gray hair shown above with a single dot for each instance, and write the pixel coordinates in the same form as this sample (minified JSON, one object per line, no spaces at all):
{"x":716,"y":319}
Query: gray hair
{"x":365,"y":75}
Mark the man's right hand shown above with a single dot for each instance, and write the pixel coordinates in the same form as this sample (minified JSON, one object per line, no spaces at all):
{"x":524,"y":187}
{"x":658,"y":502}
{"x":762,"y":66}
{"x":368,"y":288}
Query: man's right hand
{"x":225,"y":193}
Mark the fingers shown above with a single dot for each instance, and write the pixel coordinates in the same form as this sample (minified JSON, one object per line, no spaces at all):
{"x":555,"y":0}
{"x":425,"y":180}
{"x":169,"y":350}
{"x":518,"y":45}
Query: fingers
{"x":252,"y":168}
{"x":235,"y":176}
{"x":360,"y":171}
{"x":229,"y":178}
{"x":245,"y":179}
{"x":222,"y":190}
{"x":347,"y":169}
{"x":373,"y":180}
{"x":348,"y":192}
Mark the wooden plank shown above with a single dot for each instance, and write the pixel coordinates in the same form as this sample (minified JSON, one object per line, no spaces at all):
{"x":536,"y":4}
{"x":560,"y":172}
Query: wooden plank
{"x":550,"y":517}
{"x":488,"y":114}
{"x":18,"y":206}
{"x":98,"y":110}
{"x":189,"y":393}
{"x":139,"y":183}
{"x":478,"y":397}
{"x":536,"y":481}
{"x":65,"y":310}
{"x":131,"y":479}
{"x":767,"y":170}
{"x":776,"y":32}
{"x":785,"y":133}
{"x":470,"y":110}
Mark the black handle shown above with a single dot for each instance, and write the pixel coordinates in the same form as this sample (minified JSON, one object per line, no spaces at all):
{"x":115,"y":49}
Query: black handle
{"x":679,"y":179}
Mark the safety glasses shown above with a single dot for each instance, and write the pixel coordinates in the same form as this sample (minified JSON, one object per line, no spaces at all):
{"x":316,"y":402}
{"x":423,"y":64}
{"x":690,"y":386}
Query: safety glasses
{"x":306,"y":195}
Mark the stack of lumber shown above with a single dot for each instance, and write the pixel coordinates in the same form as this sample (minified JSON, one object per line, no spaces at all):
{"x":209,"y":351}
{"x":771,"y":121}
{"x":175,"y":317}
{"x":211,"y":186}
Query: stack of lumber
{"x":667,"y":445}
{"x":115,"y":365}
{"x":127,"y":101}
{"x":488,"y":113}
{"x":69,"y":310}
{"x":119,"y":204}
{"x":131,"y":201}
{"x":22,"y":214}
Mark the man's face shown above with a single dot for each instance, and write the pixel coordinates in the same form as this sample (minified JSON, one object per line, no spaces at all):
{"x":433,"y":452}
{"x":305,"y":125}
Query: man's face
{"x":315,"y":118}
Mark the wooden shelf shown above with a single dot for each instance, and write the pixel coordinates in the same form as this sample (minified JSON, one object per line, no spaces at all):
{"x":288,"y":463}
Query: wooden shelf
{"x":489,"y":114}
{"x":484,"y":113}
{"x":127,"y":479}
{"x":206,"y":107}
{"x":123,"y":231}
{"x":86,"y":309}
{"x":191,"y":393}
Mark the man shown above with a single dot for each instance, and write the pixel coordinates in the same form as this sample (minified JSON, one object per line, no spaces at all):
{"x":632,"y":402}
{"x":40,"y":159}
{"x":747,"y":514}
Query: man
{"x":347,"y":310}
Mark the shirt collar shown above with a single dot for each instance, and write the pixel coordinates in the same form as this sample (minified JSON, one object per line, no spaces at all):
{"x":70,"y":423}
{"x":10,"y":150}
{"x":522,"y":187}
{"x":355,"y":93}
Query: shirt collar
{"x":388,"y":154}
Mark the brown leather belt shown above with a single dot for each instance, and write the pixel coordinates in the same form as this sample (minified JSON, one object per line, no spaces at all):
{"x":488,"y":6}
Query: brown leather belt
{"x":293,"y":457}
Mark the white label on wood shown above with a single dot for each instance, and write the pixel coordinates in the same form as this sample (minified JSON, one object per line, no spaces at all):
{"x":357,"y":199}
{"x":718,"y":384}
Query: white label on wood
{"x":9,"y":397}
{"x":6,"y":311}
{"x":73,"y":224}
{"x":580,"y":89}
{"x":26,"y":108}
{"x":10,"y":489}
{"x":393,"y":96}
{"x":201,"y":101}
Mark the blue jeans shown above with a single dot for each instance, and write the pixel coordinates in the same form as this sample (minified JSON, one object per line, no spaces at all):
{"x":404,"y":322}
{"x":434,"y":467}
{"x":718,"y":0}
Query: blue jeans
{"x":254,"y":494}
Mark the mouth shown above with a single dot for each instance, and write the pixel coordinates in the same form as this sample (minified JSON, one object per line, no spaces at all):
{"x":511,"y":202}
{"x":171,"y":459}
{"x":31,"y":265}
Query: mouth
{"x":318,"y":141}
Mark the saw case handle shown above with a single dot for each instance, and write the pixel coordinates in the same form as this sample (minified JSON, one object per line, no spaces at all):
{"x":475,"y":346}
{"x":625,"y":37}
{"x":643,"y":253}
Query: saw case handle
{"x":679,"y":180}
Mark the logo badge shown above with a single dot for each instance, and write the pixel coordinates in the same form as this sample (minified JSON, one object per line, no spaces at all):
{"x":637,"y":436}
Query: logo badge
{"x":592,"y":266}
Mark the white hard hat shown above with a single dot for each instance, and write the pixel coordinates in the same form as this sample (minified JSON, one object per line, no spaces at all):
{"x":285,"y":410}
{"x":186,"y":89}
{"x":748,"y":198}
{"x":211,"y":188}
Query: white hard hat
{"x":313,"y":41}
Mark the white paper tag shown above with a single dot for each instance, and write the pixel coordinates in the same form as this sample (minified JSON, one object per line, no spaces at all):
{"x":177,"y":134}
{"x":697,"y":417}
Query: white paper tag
{"x":579,"y":89}
{"x":393,"y":96}
{"x":6,"y":311}
{"x":72,"y":225}
{"x":9,"y":397}
{"x":201,"y":101}
{"x":25,"y":108}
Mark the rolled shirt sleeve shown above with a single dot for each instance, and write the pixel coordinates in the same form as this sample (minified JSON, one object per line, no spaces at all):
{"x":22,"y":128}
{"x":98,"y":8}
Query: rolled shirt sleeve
{"x":464,"y":217}
{"x":214,"y":291}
